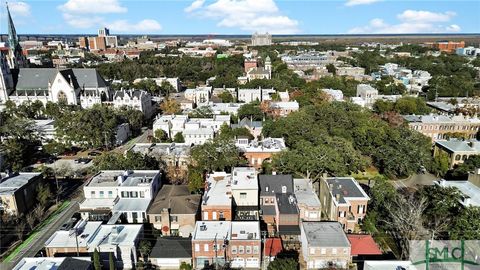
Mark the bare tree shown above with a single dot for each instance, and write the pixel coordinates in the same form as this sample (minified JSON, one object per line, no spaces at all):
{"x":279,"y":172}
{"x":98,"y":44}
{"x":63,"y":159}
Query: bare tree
{"x":406,"y":222}
{"x":20,"y":229}
{"x":30,"y":218}
{"x":38,"y":212}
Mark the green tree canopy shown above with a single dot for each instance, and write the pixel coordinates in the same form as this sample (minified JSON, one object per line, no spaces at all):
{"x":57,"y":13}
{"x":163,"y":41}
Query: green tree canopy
{"x":218,"y":154}
{"x":129,"y":161}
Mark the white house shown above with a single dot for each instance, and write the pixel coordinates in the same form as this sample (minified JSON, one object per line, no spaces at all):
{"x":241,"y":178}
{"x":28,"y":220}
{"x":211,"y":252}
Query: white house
{"x":199,"y":95}
{"x":120,"y":192}
{"x":257,"y":94}
{"x":136,"y":99}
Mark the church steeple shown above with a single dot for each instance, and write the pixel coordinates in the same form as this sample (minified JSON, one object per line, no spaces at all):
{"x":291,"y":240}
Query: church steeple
{"x":15,"y":55}
{"x":12,"y":33}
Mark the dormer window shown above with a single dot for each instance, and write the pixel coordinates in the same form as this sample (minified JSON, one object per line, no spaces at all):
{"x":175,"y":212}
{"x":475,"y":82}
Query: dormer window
{"x":284,"y":189}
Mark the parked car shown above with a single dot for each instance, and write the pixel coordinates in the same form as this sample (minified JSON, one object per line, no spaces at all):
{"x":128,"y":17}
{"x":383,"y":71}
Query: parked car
{"x":94,"y":154}
{"x":83,"y":160}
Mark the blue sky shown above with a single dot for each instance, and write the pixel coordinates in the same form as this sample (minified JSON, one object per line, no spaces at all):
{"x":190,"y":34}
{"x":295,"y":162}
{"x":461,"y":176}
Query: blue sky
{"x":243,"y":16}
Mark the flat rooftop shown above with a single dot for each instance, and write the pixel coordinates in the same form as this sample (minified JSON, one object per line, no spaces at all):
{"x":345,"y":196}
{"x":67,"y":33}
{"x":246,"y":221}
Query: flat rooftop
{"x":122,"y":178}
{"x":117,"y":234}
{"x":325,"y":234}
{"x":207,"y":230}
{"x":10,"y":184}
{"x":305,"y":193}
{"x":87,"y":230}
{"x":244,"y":178}
{"x":218,"y":184}
{"x":131,"y":205}
{"x":346,"y":188}
{"x":245,"y":230}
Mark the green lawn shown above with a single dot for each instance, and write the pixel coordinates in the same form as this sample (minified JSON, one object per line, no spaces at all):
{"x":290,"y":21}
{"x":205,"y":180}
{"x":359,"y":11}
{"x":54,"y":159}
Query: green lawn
{"x":33,"y":235}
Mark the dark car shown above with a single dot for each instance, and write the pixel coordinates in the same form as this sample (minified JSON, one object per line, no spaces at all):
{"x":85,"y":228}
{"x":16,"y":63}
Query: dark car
{"x":94,"y":154}
{"x":83,"y":160}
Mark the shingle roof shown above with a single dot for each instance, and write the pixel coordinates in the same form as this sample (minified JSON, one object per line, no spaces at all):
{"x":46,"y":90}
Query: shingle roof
{"x":274,"y":184}
{"x":177,"y":198}
{"x":172,"y":247}
{"x":346,"y":187}
{"x":38,"y":78}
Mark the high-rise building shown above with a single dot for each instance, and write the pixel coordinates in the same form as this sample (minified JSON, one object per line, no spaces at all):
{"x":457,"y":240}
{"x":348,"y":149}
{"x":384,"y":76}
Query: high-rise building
{"x":261,"y":39}
{"x":103,"y":32}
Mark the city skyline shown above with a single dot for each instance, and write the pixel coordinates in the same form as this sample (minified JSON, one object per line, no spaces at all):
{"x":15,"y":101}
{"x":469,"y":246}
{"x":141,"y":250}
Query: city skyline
{"x":229,"y":17}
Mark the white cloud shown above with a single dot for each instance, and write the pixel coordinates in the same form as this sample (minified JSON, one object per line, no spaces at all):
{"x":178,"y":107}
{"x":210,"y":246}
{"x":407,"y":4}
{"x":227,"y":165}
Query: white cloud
{"x":359,"y":2}
{"x":194,"y":6}
{"x":410,"y":21}
{"x":425,"y":16}
{"x":144,"y":26}
{"x":82,"y":22}
{"x":247,"y":15}
{"x":19,"y":9}
{"x":92,"y":7}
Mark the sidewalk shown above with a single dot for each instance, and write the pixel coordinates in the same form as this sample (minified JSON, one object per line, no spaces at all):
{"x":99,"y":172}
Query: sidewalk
{"x":34,"y":243}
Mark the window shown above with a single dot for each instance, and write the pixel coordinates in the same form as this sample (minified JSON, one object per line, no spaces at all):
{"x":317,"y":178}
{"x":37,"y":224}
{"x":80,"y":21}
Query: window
{"x":334,"y":251}
{"x":134,"y":216}
{"x":345,"y":251}
{"x":248,"y":250}
{"x":284,"y":189}
{"x":197,"y":247}
{"x":240,"y":249}
{"x":92,"y":194}
{"x":312,"y":251}
{"x":214,"y":215}
{"x":205,"y":247}
{"x":142,"y":194}
{"x":323,"y":251}
{"x":102,"y":195}
{"x":221,"y":216}
{"x":174,"y":218}
{"x":124,"y":194}
{"x":205,"y":215}
{"x":234,"y":249}
{"x":158,"y":219}
{"x":255,"y":249}
{"x":133,"y":194}
{"x":243,"y":195}
{"x":110,"y":194}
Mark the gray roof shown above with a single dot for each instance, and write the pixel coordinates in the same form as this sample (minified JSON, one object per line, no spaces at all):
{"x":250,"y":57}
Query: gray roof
{"x":268,"y":210}
{"x":130,"y":93}
{"x":455,"y":145}
{"x":172,"y":247}
{"x":38,"y":78}
{"x":75,"y":264}
{"x":274,"y":184}
{"x":325,"y":234}
{"x":177,"y":198}
{"x":10,"y":184}
{"x":287,"y":204}
{"x":346,"y":187}
{"x":245,"y":122}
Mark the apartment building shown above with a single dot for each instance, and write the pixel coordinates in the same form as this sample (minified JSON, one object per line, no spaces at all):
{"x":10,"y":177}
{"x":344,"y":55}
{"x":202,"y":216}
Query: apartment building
{"x":235,"y":242}
{"x":173,"y":154}
{"x":446,"y":46}
{"x":324,"y":245}
{"x":217,"y":199}
{"x":17,"y":192}
{"x":199,"y":95}
{"x":442,"y":127}
{"x":343,"y":200}
{"x":174,"y":210}
{"x":367,"y":93}
{"x":244,"y":186}
{"x":256,"y":152}
{"x":121,"y":193}
{"x":309,"y":206}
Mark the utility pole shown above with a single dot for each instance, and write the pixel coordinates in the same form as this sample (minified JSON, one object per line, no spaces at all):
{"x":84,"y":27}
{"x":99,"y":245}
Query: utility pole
{"x":76,"y":240}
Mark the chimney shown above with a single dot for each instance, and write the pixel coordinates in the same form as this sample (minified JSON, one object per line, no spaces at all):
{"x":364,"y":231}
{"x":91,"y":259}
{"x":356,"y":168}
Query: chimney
{"x":337,"y":197}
